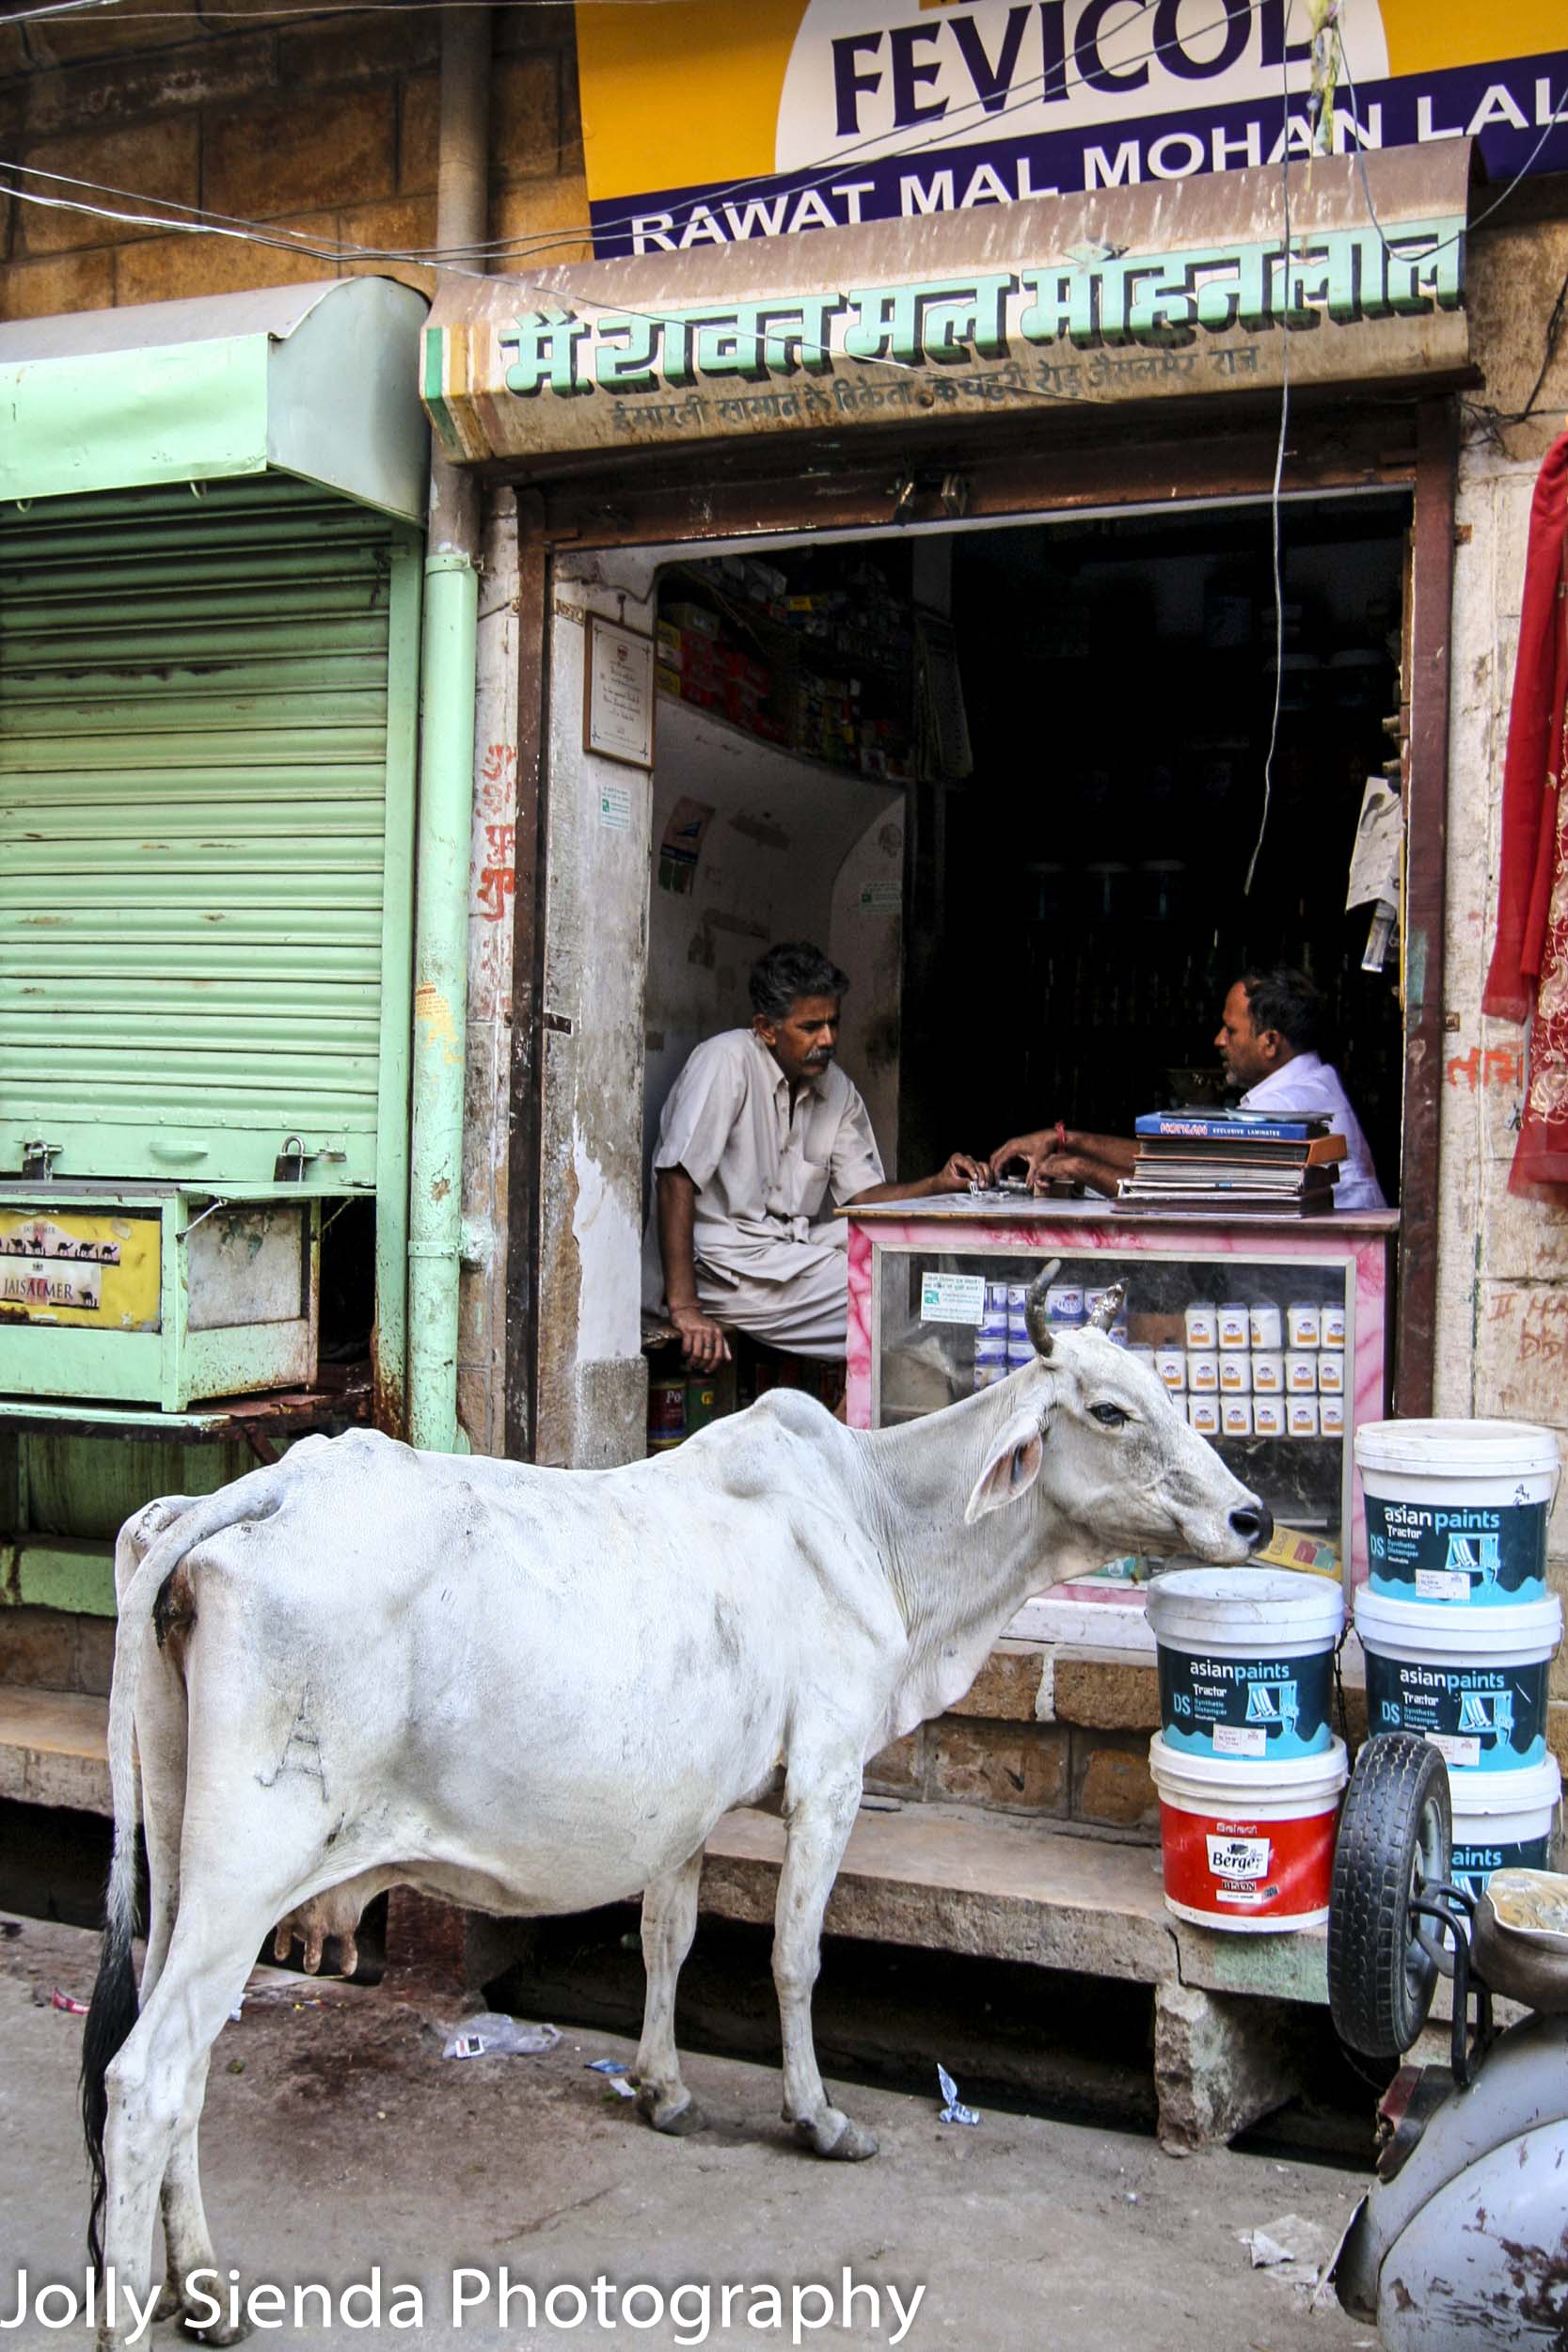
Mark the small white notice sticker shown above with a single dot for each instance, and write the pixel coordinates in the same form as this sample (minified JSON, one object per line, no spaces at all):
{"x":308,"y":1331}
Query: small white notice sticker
{"x":951,"y":1297}
{"x":1241,"y":1740}
{"x":615,"y":807}
{"x":1454,"y":1750}
{"x":1442,"y":1584}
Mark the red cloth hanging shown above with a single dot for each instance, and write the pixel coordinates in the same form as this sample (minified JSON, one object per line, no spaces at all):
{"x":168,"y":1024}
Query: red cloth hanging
{"x":1529,"y":979}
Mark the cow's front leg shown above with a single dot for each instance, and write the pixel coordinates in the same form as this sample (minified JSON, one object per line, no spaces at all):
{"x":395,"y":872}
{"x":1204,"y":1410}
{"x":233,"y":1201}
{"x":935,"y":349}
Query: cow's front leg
{"x":668,"y":1924}
{"x":818,"y":1817}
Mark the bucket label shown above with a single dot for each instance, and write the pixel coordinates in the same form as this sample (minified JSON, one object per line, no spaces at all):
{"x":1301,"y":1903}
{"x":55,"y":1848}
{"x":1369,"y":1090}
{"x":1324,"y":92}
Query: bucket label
{"x":1473,"y":1865}
{"x":1229,"y":1870}
{"x":1464,"y":1552}
{"x":1277,"y":1707}
{"x":1479,"y":1718}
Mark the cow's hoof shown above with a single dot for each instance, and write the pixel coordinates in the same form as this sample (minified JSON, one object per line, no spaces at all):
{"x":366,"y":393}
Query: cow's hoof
{"x":678,"y":2116}
{"x":835,"y":2136}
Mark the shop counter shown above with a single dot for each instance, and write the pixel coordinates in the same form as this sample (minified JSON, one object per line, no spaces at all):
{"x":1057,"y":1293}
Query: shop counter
{"x":921,"y":1278}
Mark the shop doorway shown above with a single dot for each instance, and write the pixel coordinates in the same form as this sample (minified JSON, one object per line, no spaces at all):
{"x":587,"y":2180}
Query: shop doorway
{"x":1012,"y":779}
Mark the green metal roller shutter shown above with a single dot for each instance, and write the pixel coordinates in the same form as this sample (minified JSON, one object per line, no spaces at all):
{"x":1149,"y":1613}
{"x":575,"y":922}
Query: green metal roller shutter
{"x":207,"y":712}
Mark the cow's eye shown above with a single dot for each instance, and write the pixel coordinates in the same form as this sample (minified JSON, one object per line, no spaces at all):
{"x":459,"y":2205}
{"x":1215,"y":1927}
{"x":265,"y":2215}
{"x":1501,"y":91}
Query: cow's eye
{"x":1109,"y":1416}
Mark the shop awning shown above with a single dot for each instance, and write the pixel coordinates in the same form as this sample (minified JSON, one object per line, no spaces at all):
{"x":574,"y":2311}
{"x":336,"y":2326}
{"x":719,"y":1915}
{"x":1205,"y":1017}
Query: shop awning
{"x":1162,"y":292}
{"x":318,"y":381}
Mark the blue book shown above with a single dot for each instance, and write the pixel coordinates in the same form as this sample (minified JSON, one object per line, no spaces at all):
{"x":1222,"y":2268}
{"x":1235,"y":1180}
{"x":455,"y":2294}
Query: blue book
{"x":1241,"y":1128}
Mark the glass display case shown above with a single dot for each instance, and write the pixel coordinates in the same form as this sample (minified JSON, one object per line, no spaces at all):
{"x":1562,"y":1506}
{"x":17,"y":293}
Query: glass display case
{"x":1269,"y":1335}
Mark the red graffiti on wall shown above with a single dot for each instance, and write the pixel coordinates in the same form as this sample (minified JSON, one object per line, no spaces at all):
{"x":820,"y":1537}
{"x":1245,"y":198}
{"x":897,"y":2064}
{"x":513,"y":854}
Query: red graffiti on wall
{"x":1497,"y":1066}
{"x":497,"y":881}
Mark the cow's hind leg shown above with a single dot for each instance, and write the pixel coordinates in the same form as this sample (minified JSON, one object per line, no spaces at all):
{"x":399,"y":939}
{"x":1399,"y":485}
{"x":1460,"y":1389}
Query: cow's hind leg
{"x":820,"y":1817}
{"x":668,"y":1924}
{"x":154,"y":2087}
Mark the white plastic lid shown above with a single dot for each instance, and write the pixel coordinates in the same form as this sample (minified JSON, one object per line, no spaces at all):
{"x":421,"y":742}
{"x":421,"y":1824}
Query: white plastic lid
{"x":1262,"y":1608}
{"x":1244,"y":1777}
{"x":1523,"y":1792}
{"x":1458,"y":1632}
{"x":1454,"y":1448}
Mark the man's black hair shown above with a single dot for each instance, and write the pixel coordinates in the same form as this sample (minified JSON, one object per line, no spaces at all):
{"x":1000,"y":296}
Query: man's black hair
{"x":1288,"y":1001}
{"x":792,"y":968}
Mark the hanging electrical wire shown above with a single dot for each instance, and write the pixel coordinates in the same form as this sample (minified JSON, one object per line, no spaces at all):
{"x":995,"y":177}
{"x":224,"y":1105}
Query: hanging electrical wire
{"x":1276,"y":493}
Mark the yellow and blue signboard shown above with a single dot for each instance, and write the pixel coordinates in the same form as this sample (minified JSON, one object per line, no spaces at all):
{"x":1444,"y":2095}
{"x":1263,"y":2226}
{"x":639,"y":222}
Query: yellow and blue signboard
{"x":710,"y":124}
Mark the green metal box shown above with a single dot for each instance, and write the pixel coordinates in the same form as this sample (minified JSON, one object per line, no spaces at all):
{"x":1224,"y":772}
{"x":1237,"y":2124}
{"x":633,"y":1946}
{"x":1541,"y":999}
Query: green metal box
{"x":156,"y":1295}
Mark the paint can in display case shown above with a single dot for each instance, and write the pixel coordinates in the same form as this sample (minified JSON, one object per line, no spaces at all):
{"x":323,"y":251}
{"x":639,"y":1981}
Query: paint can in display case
{"x":1503,"y":1823}
{"x":1456,"y":1510}
{"x":1246,"y":1662}
{"x":1473,"y":1681}
{"x":1245,"y":1847}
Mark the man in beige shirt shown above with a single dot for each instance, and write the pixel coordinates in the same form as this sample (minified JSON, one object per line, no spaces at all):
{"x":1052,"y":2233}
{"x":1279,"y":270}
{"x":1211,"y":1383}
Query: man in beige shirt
{"x":758,"y":1130}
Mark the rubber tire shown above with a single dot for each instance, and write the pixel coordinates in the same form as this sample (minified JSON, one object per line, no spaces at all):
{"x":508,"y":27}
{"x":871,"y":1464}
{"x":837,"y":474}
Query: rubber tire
{"x":1380,"y":1984}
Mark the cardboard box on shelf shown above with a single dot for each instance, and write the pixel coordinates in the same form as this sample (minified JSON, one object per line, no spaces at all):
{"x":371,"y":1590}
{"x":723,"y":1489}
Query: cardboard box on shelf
{"x":695,"y":617}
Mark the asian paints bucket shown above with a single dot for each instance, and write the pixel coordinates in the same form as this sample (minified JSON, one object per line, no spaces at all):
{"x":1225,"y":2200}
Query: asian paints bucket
{"x":1247,"y":1661}
{"x":1248,"y":1847}
{"x":1473,"y":1681}
{"x":1503,"y":1822}
{"x":1456,"y":1510}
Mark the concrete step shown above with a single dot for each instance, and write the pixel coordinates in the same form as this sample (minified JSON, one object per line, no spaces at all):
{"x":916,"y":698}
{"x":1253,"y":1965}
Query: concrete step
{"x":954,"y":1879}
{"x":52,"y":1749}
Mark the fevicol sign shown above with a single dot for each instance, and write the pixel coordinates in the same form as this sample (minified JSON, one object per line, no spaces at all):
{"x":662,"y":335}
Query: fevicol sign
{"x":707,"y":124}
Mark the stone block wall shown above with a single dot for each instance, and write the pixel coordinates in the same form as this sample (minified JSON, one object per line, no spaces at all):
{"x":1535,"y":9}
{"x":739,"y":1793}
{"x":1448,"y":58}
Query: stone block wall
{"x":317,"y":131}
{"x":1502,"y":1339}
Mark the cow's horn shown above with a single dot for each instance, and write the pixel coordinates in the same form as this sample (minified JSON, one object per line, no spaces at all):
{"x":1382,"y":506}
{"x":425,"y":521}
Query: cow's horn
{"x":1110,"y":1305}
{"x":1034,"y":1309}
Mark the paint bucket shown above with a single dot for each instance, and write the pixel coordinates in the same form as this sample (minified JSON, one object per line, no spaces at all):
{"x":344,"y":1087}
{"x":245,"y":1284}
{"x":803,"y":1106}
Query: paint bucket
{"x":1473,"y":1681}
{"x":1503,"y":1823}
{"x":1456,"y":1510}
{"x":1246,"y":1662}
{"x":666,"y":1412}
{"x":702,"y":1403}
{"x":1247,"y":1847}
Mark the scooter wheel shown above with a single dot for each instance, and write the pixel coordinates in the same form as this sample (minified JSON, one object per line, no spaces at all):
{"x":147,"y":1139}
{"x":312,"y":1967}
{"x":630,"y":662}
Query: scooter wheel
{"x":1395,"y":1836}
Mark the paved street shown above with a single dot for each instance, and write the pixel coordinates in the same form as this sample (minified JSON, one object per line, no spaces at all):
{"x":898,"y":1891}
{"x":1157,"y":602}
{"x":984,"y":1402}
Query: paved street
{"x":336,"y":2139}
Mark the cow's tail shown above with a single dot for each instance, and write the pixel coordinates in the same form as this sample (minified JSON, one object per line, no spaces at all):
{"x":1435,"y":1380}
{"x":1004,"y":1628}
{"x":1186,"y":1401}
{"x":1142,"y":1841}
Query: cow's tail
{"x":112,"y":2012}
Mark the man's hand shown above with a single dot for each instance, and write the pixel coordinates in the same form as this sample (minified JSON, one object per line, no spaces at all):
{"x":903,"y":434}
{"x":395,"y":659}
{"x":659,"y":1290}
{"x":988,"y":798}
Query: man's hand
{"x":1032,"y":1149}
{"x":703,"y":1344}
{"x":958,"y":1173}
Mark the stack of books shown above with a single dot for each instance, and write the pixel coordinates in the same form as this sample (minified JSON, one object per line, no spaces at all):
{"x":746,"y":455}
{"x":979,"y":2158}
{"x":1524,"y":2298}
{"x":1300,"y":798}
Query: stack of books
{"x":1203,"y":1163}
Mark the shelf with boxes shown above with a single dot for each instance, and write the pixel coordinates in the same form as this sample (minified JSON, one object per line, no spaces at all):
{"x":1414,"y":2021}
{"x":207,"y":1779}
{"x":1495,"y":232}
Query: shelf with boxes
{"x":1271,"y":1340}
{"x":826,"y":673}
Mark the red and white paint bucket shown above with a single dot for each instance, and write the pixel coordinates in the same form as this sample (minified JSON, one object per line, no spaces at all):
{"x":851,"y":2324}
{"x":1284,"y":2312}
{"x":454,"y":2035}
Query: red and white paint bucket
{"x":1248,"y":1847}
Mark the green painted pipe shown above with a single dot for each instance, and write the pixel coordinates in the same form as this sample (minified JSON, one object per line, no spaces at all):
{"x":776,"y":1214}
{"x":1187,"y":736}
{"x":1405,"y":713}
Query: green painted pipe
{"x":441,"y":994}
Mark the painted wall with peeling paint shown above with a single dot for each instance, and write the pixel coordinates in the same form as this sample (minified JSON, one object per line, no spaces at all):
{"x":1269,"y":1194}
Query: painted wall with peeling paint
{"x":592,"y":1385}
{"x":782,"y":833}
{"x":481,"y":1295}
{"x":1502,"y":1332}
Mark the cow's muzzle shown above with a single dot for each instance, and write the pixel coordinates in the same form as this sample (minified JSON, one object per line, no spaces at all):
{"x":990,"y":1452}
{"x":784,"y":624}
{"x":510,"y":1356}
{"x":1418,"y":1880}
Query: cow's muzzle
{"x":1253,"y":1523}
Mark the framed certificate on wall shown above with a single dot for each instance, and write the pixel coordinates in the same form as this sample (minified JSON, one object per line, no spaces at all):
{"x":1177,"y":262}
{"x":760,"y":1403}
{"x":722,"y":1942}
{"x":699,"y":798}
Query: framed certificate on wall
{"x":618,"y":694}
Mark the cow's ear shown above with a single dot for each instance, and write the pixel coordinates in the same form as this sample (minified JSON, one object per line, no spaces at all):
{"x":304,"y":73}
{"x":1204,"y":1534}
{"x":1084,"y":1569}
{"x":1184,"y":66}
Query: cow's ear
{"x":1012,"y":1469}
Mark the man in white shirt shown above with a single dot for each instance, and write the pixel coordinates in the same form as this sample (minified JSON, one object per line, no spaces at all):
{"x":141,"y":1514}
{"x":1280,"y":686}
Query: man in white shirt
{"x":1268,"y":1039}
{"x":1268,"y":1043}
{"x":758,"y":1130}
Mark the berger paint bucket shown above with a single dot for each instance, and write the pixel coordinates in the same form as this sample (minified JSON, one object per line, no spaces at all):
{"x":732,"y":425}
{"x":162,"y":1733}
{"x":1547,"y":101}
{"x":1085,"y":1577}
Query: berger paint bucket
{"x":1473,"y":1681}
{"x":1502,"y":1823}
{"x":1247,"y":1661}
{"x":1456,"y":1510}
{"x":1248,"y":1847}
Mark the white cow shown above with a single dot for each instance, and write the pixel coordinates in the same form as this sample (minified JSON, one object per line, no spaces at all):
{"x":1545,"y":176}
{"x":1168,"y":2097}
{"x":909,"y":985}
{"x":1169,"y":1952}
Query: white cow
{"x":533,"y":1690}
